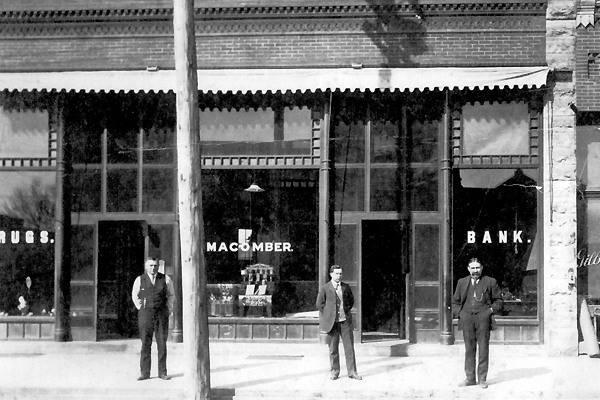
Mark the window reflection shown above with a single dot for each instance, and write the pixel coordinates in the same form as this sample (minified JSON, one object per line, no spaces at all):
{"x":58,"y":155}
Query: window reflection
{"x":121,"y":193}
{"x":27,"y":243}
{"x":496,"y":129}
{"x":24,"y":133}
{"x":264,"y":131}
{"x":495,"y":220}
{"x":284,"y":214}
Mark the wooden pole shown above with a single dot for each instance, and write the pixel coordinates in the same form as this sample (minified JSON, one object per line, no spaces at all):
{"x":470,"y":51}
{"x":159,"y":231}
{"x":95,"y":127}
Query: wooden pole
{"x":195,"y":318}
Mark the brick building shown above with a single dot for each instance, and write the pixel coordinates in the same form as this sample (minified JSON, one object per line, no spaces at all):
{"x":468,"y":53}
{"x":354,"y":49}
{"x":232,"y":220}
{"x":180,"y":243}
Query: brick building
{"x":398,"y":139}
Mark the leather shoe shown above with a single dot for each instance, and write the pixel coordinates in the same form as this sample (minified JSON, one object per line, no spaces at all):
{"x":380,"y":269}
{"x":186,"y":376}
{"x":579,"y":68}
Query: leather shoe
{"x":143,"y":377}
{"x":467,"y":383}
{"x":333,"y":377}
{"x":483,"y":384}
{"x":165,"y":377}
{"x":355,"y":376}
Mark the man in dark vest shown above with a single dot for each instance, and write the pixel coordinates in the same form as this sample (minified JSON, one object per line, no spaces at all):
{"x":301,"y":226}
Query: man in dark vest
{"x":334,"y":302}
{"x":476,"y":300}
{"x":153,"y":295}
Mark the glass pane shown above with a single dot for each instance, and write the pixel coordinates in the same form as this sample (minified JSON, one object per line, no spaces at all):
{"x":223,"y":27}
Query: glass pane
{"x":82,"y":296}
{"x":297,"y":131}
{"x":424,"y":135}
{"x":498,"y":225}
{"x":282,"y":227}
{"x":349,"y":189}
{"x":349,"y":142}
{"x":496,"y":129}
{"x":159,"y":131}
{"x":588,"y":273}
{"x":86,"y":195}
{"x":158,"y":189}
{"x":427,"y":296}
{"x":122,"y":146}
{"x":384,"y":142}
{"x":427,"y":257}
{"x":24,"y":133}
{"x":424,"y":189}
{"x":345,"y":250}
{"x":161,"y":246}
{"x":384,"y":189}
{"x":588,"y":156}
{"x":27,"y":204}
{"x":84,"y":126}
{"x":82,"y":253}
{"x":427,"y":320}
{"x":122,"y":190}
{"x":221,"y":132}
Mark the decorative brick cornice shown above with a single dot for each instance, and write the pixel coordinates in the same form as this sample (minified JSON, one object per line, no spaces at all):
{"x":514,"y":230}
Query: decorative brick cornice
{"x":288,"y":26}
{"x":98,"y":15}
{"x":585,"y":13}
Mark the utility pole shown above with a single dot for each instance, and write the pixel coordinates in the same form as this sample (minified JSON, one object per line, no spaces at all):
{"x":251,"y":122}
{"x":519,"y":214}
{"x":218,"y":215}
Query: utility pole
{"x":191,"y":226}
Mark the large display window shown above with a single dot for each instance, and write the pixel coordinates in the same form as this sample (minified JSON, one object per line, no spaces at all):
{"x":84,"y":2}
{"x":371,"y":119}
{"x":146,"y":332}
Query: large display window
{"x":27,"y":202}
{"x":261,"y":232}
{"x":495,"y":202}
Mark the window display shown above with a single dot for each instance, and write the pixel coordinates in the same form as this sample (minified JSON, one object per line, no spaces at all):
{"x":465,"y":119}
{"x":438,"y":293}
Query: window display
{"x":495,"y":220}
{"x":261,"y":246}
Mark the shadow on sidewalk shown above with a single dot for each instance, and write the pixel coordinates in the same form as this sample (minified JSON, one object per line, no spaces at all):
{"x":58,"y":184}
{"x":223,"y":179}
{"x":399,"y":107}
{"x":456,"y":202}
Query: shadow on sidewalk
{"x":520,"y":373}
{"x":323,"y":371}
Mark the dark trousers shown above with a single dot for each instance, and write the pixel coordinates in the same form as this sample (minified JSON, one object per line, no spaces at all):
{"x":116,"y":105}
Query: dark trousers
{"x":476,"y":332}
{"x":345,"y":330}
{"x":153,"y":323}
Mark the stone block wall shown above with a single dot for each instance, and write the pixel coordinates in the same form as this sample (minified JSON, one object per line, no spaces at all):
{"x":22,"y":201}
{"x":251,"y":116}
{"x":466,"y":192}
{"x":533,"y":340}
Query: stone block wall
{"x":560,"y":186}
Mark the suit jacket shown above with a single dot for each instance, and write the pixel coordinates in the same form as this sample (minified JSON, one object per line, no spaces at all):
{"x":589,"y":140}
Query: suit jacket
{"x":492,"y":296}
{"x":328,"y":305}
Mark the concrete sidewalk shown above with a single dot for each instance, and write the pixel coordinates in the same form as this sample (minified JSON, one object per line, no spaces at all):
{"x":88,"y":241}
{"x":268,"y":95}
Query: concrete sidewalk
{"x":272,"y":371}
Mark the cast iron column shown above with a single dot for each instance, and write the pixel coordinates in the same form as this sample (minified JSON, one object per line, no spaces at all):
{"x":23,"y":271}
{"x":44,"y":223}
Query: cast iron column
{"x":62,"y":227}
{"x":447,"y":334}
{"x":177,"y":333}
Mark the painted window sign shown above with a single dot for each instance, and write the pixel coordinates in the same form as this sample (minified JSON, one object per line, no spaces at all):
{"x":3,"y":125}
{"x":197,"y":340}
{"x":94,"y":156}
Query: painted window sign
{"x":27,"y":237}
{"x":503,"y":236}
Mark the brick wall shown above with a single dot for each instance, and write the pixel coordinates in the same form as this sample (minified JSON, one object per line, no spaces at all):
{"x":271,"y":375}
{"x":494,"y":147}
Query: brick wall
{"x":587,"y":73}
{"x":505,"y":40}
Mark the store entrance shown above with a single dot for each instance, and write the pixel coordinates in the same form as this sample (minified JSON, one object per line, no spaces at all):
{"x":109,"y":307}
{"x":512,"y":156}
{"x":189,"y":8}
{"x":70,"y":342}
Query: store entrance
{"x":120,"y":261}
{"x":383,"y":304}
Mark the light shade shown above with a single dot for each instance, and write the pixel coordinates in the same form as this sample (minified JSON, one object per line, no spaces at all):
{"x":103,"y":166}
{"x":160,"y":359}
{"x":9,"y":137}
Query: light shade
{"x":254,"y":188}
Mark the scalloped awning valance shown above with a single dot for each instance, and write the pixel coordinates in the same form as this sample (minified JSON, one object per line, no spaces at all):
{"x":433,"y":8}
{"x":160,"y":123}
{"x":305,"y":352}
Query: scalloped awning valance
{"x":273,"y":80}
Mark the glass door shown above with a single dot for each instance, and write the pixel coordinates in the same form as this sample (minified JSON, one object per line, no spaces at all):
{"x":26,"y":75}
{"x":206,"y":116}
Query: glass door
{"x":383,"y":285}
{"x":121,"y":248}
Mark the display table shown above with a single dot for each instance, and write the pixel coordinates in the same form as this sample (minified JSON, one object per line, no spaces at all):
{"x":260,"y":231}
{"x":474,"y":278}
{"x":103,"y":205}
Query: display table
{"x":254,"y":303}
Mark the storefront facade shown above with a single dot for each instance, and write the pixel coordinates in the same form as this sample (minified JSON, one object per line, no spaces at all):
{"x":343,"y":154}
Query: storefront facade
{"x":381,"y":137}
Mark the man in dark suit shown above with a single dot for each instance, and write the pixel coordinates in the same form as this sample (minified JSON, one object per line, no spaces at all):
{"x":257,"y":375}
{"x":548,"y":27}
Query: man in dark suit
{"x":476,"y":299}
{"x":335,"y":302}
{"x":154,"y":296}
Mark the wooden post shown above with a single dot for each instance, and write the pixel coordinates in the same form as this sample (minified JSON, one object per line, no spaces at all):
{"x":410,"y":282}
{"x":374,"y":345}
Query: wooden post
{"x":195,"y":318}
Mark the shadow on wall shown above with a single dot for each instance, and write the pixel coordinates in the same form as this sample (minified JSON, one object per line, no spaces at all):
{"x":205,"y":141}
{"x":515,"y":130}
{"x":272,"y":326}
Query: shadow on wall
{"x":399,"y":35}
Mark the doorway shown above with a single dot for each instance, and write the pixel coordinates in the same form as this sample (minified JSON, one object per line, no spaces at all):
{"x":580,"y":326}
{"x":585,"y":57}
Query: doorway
{"x":383,"y":288}
{"x":121,"y":249}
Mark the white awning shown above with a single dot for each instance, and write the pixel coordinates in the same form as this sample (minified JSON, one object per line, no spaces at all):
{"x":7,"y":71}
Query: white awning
{"x":273,"y":80}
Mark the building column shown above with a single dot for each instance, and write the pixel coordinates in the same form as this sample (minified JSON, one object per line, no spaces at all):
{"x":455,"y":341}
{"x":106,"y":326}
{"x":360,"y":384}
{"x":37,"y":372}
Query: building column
{"x":325,"y":222}
{"x":62,"y":226}
{"x":446,"y":334}
{"x":177,"y":333}
{"x":559,"y":313}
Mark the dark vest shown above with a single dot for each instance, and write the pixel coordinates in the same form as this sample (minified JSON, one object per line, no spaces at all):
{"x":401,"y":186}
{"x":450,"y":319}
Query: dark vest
{"x":475,"y":304}
{"x":154,"y":297}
